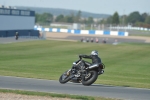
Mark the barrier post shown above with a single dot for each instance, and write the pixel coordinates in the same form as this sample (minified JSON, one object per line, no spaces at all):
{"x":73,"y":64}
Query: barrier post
{"x":44,"y":35}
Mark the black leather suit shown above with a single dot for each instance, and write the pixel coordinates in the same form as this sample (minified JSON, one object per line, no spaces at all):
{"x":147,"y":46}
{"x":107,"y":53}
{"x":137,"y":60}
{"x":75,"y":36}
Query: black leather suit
{"x":95,"y":59}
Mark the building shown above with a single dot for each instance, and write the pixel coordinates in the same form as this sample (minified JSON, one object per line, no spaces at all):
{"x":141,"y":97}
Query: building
{"x":12,"y":20}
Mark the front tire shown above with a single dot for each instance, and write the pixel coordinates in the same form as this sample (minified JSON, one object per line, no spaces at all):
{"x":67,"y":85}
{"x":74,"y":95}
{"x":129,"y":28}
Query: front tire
{"x":65,"y":77}
{"x":91,"y":79}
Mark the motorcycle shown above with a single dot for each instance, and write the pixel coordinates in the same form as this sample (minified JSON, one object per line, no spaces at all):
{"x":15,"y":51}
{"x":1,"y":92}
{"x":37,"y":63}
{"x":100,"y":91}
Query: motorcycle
{"x":82,"y":72}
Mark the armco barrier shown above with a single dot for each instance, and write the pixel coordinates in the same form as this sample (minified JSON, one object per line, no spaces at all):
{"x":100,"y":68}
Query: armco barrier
{"x":99,"y":32}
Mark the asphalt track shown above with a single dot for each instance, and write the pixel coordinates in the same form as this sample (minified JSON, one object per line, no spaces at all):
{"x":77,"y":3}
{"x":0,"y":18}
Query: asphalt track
{"x":78,"y":37}
{"x":109,"y":39}
{"x":29,"y":84}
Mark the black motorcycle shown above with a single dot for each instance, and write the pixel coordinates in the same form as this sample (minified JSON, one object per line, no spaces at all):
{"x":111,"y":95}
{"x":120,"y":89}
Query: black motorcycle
{"x":82,"y":72}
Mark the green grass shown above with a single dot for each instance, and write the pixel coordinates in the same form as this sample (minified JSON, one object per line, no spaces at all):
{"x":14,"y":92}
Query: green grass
{"x":143,"y":35}
{"x":140,"y":33}
{"x":32,"y":93}
{"x":126,"y":64}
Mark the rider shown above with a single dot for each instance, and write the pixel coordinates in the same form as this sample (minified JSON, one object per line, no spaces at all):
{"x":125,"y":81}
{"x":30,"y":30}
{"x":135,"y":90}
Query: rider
{"x":95,"y":59}
{"x":93,"y":56}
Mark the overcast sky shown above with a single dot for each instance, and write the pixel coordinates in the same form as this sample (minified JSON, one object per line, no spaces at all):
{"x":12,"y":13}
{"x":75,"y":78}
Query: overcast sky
{"x":94,"y":6}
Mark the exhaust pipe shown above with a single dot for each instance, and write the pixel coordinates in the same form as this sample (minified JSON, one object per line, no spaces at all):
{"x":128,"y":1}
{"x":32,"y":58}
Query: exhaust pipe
{"x":93,"y":66}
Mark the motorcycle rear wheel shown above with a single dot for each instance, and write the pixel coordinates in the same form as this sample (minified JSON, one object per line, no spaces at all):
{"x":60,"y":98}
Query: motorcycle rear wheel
{"x":88,"y":80}
{"x":65,"y":77}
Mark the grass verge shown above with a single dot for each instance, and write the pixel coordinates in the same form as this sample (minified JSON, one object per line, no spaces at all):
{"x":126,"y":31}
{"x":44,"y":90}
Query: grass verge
{"x":78,"y":97}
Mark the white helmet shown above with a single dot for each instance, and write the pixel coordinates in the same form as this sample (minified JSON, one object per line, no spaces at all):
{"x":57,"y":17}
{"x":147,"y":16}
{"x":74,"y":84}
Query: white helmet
{"x":94,"y":52}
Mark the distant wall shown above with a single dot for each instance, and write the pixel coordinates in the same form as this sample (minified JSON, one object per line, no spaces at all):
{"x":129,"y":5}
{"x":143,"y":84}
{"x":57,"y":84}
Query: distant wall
{"x":11,"y":33}
{"x":94,"y":32}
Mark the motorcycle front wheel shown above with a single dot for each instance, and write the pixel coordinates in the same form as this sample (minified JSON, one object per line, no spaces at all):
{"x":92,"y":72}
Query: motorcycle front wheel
{"x":90,"y":78}
{"x":65,"y":77}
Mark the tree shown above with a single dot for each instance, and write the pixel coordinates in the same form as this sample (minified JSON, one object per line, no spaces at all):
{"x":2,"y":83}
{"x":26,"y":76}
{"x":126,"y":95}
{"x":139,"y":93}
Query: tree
{"x":47,"y":17}
{"x":143,"y":17}
{"x":90,"y":20}
{"x":59,"y":18}
{"x":84,"y":21}
{"x":147,"y":20}
{"x":123,"y":20}
{"x":68,"y":19}
{"x":134,"y":17}
{"x":109,"y":20}
{"x":36,"y":18}
{"x":115,"y":18}
{"x":78,"y":17}
{"x":103,"y":21}
{"x":43,"y":18}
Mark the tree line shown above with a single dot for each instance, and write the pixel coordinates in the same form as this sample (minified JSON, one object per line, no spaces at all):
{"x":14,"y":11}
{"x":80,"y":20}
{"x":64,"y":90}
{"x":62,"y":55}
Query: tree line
{"x":134,"y":19}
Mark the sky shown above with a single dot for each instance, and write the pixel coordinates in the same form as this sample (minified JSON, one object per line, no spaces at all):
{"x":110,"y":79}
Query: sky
{"x":93,"y":6}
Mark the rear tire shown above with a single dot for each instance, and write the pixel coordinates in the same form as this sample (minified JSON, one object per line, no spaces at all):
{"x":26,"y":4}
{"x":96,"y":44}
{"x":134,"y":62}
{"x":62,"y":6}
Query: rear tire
{"x":64,"y":78}
{"x":92,"y":78}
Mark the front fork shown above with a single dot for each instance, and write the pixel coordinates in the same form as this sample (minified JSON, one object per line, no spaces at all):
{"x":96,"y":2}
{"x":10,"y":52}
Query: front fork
{"x":68,"y":72}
